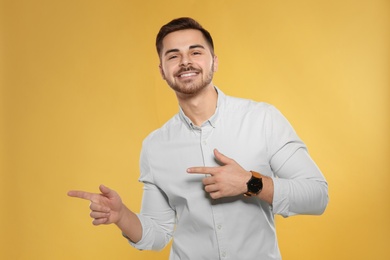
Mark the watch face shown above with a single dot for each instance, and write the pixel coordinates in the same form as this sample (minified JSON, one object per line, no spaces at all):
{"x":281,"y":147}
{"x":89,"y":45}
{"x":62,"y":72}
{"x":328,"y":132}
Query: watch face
{"x":255,"y":185}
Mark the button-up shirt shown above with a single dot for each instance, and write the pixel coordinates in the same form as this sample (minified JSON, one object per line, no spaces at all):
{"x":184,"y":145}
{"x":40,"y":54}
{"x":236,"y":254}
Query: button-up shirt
{"x":175,"y":204}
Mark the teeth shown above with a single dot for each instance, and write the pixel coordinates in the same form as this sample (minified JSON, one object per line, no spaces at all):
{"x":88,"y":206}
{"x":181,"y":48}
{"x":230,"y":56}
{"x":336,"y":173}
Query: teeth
{"x":187,"y":74}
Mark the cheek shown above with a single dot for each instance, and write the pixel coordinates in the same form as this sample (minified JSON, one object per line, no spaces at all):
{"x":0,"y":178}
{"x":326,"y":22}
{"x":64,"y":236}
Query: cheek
{"x":167,"y":72}
{"x":162,"y":73}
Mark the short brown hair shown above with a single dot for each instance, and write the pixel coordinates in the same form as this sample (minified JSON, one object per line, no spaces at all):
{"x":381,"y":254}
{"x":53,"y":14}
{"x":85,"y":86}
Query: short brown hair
{"x":178,"y":24}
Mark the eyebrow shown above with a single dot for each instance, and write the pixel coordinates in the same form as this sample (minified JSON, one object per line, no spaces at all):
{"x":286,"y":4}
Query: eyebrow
{"x":191,"y":47}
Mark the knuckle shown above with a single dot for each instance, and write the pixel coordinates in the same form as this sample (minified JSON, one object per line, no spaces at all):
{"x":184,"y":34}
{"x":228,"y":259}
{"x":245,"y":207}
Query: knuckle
{"x":218,"y":178}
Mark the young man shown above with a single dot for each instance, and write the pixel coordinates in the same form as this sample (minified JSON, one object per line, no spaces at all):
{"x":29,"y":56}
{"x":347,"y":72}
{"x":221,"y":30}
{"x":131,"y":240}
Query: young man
{"x":216,"y":173}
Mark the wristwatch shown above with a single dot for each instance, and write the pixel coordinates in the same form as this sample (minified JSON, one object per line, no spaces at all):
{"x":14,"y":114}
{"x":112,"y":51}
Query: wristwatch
{"x":255,"y":185}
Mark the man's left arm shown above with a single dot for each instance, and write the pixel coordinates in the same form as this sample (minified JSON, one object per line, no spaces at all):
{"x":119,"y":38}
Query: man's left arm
{"x":300,"y":187}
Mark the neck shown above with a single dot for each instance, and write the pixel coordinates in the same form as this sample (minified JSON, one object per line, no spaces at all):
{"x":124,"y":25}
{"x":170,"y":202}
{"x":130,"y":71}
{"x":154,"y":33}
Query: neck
{"x":201,"y":106}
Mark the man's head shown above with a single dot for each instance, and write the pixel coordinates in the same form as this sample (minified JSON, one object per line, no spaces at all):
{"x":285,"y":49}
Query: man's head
{"x":187,"y":60}
{"x":182,"y":24}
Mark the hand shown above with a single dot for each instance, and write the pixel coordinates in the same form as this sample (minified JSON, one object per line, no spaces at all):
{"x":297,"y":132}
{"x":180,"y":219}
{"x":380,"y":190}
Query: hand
{"x":225,"y":181}
{"x":106,"y":208}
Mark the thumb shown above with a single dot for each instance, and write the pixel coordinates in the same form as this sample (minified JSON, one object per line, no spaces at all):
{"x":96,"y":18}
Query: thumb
{"x":221,"y":157}
{"x":105,"y":190}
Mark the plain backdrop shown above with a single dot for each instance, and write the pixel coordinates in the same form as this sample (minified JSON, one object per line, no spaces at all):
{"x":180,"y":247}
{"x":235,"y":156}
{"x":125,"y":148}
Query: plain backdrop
{"x":80,"y":90}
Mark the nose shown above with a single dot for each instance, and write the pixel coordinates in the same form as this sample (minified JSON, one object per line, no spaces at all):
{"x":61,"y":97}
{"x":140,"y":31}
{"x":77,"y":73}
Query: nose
{"x":185,"y":61}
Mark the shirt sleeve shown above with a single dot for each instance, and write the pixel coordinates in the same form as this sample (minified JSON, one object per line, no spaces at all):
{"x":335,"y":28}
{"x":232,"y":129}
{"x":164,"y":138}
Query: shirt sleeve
{"x":157,"y":217}
{"x":299,"y":186}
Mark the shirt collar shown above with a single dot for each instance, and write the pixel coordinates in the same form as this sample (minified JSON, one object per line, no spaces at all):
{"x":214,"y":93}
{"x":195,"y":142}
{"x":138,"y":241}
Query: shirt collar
{"x":212,"y":121}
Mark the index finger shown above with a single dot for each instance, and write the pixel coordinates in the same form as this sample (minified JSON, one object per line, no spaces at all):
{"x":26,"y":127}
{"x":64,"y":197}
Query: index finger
{"x":201,"y":170}
{"x":81,"y":194}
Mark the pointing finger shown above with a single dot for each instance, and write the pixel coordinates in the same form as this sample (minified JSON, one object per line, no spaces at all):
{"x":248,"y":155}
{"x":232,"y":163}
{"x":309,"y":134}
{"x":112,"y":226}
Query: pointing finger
{"x":81,"y":194}
{"x":201,"y":170}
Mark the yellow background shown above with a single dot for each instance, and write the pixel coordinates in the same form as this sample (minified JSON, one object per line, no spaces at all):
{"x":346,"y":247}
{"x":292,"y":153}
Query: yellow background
{"x":80,"y":89}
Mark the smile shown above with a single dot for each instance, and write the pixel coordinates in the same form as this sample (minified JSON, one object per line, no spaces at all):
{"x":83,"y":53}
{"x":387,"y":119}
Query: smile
{"x":185,"y":75}
{"x":188,"y":72}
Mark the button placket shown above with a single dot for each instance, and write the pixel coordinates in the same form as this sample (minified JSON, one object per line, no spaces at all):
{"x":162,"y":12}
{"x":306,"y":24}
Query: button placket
{"x":208,"y":158}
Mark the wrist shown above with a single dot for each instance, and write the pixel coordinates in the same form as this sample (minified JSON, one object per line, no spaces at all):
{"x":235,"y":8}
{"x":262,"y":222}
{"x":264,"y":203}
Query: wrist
{"x":254,"y":184}
{"x":123,"y":214}
{"x":130,"y":225}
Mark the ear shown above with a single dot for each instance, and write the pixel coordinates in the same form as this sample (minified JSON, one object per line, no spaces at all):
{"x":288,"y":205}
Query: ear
{"x":161,"y":71}
{"x":215,"y":67}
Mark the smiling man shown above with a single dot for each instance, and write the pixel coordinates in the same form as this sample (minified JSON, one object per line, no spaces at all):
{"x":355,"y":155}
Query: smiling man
{"x":187,"y":67}
{"x":216,"y":173}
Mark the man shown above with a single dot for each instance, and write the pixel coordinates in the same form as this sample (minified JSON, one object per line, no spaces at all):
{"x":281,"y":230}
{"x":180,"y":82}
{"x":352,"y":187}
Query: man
{"x":216,"y":173}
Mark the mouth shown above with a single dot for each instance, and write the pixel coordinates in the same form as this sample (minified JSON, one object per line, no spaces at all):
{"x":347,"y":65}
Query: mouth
{"x":187,"y":74}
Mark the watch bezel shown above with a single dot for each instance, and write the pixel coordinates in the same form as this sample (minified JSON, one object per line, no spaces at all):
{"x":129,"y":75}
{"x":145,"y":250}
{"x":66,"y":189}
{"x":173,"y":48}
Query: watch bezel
{"x":255,"y":184}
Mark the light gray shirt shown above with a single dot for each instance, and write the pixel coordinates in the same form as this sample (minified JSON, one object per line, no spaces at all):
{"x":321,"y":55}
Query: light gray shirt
{"x":259,"y":138}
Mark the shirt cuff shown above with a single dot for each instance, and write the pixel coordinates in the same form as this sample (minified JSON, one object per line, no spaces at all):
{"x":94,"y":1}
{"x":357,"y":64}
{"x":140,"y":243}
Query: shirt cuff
{"x":280,"y":204}
{"x":142,"y":244}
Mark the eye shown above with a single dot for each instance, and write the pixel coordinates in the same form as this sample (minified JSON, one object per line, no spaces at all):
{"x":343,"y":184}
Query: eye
{"x":172,"y":57}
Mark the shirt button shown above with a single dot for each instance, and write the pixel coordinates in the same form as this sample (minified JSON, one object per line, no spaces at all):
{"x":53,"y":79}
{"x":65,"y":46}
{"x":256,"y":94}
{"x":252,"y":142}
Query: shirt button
{"x":223,"y":254}
{"x":219,"y":227}
{"x":204,"y":142}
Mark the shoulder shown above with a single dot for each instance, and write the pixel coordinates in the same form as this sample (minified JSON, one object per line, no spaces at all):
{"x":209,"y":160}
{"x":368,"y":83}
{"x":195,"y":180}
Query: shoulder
{"x":243,"y":105}
{"x":164,"y":132}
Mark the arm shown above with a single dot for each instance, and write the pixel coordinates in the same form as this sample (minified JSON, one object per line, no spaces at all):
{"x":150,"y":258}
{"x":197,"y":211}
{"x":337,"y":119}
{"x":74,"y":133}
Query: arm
{"x":230,"y":179}
{"x":300,"y":188}
{"x":107,"y":208}
{"x":157,"y":218}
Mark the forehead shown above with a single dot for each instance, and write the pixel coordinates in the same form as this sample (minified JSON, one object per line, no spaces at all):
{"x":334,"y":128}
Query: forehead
{"x":183,"y":39}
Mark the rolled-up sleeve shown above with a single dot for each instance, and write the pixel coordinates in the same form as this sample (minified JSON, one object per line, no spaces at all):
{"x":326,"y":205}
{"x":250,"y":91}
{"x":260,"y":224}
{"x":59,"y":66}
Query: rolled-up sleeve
{"x":157,"y":220}
{"x":157,"y":217}
{"x":299,"y":185}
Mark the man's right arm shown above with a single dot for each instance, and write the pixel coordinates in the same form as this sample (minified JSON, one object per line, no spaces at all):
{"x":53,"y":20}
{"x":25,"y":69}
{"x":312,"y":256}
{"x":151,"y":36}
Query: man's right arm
{"x":107,"y":208}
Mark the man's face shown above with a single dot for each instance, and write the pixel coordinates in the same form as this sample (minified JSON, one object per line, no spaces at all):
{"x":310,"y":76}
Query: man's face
{"x":186,"y":62}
